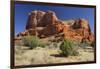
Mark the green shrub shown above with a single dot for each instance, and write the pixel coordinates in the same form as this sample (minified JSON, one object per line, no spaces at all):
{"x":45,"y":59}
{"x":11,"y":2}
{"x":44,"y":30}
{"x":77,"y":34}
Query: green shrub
{"x":68,"y":48}
{"x":31,"y":41}
{"x":85,"y":44}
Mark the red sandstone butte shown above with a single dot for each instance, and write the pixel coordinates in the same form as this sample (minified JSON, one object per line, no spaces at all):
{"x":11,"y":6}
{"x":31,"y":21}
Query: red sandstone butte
{"x":45,"y":24}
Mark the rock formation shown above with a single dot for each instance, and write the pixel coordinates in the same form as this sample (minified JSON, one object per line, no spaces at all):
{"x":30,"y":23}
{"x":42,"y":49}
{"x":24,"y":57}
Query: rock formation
{"x":45,"y":24}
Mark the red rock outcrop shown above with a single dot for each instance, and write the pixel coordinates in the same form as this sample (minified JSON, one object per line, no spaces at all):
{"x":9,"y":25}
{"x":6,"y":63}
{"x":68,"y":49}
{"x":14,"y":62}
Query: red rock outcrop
{"x":34,"y":19}
{"x":45,"y":24}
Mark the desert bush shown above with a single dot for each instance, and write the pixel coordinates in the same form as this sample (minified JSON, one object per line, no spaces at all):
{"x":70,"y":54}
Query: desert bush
{"x":85,"y":44}
{"x":31,"y":41}
{"x":93,"y":44}
{"x":68,"y":48}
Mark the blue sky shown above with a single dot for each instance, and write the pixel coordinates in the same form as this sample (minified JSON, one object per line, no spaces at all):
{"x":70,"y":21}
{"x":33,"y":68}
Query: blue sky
{"x":62,"y":12}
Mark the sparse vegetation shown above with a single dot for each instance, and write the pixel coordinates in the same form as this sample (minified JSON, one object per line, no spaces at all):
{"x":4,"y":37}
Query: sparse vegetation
{"x":85,"y":44}
{"x":48,"y":56}
{"x":68,"y":48}
{"x":46,"y":52}
{"x":31,"y":41}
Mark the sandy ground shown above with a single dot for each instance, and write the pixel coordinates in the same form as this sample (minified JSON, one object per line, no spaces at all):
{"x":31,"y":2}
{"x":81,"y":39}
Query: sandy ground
{"x":24,"y":56}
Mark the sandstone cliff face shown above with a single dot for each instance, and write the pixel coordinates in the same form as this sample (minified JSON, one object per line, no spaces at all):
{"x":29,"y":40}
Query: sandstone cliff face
{"x":45,"y":24}
{"x":34,"y":18}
